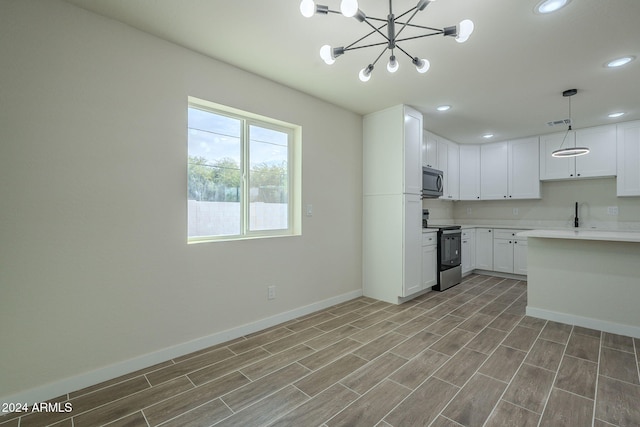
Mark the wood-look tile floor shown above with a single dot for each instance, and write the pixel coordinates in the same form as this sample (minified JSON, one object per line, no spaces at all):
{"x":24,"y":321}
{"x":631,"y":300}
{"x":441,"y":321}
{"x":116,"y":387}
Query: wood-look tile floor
{"x":464,"y":357}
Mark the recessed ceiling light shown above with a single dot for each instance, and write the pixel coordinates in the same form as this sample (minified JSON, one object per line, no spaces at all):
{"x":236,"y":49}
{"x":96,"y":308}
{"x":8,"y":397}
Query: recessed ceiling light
{"x":443,"y":107}
{"x":614,"y":115}
{"x":487,"y":135}
{"x":548,"y":6}
{"x":619,"y":62}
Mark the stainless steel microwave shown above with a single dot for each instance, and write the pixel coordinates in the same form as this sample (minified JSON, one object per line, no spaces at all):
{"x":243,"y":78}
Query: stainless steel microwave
{"x":431,"y":183}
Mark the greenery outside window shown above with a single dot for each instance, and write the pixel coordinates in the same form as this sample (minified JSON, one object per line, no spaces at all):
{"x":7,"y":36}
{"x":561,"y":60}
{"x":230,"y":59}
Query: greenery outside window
{"x":243,"y":174}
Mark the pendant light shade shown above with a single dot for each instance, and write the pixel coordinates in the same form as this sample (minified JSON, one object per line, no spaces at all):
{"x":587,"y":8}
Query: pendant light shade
{"x":569,"y":151}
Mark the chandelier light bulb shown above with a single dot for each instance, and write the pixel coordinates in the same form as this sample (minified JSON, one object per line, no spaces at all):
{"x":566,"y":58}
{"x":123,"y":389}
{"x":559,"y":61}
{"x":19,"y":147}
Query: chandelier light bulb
{"x":365,"y":73}
{"x":349,"y":8}
{"x":393,"y":65}
{"x":422,"y":65}
{"x":307,"y":8}
{"x":326,"y":53}
{"x":465,"y":28}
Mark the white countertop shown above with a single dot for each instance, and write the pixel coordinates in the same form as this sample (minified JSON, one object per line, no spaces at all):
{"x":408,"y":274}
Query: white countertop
{"x":611,"y":236}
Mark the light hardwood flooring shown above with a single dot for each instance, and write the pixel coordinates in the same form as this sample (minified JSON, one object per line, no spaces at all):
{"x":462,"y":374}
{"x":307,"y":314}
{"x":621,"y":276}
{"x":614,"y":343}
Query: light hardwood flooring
{"x":464,"y":357}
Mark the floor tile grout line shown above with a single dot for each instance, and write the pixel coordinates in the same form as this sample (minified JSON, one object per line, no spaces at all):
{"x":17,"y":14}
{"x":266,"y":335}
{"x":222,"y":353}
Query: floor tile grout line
{"x":514,"y":373}
{"x":450,"y":357}
{"x":555,"y":377}
{"x":595,"y":394}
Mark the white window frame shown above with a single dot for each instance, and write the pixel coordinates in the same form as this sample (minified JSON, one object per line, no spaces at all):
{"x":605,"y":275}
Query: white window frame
{"x":294,"y":167}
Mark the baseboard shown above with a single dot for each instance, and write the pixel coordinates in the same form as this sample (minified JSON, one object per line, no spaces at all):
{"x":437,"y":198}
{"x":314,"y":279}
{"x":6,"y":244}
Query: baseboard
{"x":585,"y":322}
{"x":67,"y":385}
{"x":500,"y":274}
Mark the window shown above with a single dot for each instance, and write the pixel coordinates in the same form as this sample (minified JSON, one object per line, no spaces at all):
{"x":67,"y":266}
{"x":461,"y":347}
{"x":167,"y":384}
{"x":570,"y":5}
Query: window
{"x":243,"y":174}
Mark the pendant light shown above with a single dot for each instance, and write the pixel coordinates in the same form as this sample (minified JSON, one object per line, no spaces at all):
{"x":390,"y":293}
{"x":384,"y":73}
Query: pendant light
{"x":569,"y":151}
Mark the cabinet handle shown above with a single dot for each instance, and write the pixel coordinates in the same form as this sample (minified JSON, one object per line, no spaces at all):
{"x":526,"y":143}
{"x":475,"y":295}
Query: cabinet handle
{"x":515,"y":242}
{"x":509,"y":196}
{"x":477,"y":197}
{"x":509,"y":241}
{"x":578,"y":174}
{"x":489,"y":231}
{"x":504,"y":197}
{"x":571,"y":175}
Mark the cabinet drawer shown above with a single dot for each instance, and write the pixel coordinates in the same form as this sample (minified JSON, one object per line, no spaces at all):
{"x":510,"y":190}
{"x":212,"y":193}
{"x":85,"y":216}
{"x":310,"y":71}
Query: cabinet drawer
{"x":505,"y":234}
{"x":429,"y":239}
{"x":468,"y":233}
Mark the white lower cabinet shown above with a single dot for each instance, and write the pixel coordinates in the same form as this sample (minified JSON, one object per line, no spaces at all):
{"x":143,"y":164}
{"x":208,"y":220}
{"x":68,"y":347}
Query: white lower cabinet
{"x":509,"y":252}
{"x":429,"y":260}
{"x":468,"y":250}
{"x":484,"y":248}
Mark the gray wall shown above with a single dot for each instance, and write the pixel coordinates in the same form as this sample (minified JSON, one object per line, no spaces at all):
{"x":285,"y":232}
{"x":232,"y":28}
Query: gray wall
{"x":95,"y":271}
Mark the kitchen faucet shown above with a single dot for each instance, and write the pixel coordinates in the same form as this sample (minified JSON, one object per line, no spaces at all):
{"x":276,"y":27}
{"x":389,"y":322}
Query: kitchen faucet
{"x":576,"y":221}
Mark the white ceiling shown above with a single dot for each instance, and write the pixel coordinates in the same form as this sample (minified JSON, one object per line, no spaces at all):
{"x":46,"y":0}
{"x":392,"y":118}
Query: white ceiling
{"x":507,"y":79}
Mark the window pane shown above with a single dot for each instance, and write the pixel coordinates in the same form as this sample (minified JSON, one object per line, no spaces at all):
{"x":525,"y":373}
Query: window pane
{"x":214,"y":148}
{"x":268,"y":179}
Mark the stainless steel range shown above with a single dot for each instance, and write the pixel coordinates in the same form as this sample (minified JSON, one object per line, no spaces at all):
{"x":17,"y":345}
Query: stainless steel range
{"x":449,"y":256}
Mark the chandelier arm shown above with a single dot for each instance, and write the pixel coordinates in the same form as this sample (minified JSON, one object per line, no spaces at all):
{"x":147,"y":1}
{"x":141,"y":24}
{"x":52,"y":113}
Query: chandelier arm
{"x":419,"y":37}
{"x":367,"y":35}
{"x":405,"y":24}
{"x":376,"y":29}
{"x":418,"y":26}
{"x":405,"y":52}
{"x":379,"y":56}
{"x":368,"y":45}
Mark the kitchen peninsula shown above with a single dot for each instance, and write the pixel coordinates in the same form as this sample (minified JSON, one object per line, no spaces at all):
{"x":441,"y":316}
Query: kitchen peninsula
{"x":585,"y":277}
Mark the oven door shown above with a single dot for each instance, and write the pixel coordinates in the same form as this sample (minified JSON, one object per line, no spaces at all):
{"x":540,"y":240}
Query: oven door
{"x":451,"y":249}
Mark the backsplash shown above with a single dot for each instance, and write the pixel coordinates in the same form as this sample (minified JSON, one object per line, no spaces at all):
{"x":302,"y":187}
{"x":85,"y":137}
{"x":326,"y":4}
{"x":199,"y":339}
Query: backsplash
{"x":597,"y":200}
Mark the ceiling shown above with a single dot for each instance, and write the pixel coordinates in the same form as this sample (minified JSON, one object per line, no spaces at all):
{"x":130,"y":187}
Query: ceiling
{"x":507,"y":79}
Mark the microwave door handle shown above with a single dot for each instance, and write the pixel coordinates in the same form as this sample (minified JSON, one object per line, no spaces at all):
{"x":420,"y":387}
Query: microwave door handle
{"x":439,"y":182}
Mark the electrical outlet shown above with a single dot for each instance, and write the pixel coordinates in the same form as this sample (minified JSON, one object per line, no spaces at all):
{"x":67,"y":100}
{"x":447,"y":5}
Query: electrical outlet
{"x":468,"y":211}
{"x":612,"y":210}
{"x":271,"y":292}
{"x":516,"y":211}
{"x":309,"y":210}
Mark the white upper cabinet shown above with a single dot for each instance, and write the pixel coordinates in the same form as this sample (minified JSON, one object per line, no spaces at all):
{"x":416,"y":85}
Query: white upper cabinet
{"x":524,"y":171}
{"x":452,"y":175}
{"x":600,"y":162}
{"x":628,"y":181}
{"x":429,"y":150}
{"x":509,"y":170}
{"x":469,"y":172}
{"x":392,"y":160}
{"x":494,"y":171}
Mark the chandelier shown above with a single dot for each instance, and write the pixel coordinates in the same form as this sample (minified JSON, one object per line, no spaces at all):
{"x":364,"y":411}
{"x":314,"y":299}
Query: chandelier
{"x":349,"y":8}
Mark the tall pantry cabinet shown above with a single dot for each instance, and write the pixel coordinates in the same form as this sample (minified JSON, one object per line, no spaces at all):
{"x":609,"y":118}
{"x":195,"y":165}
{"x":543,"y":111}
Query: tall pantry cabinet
{"x":392,"y":207}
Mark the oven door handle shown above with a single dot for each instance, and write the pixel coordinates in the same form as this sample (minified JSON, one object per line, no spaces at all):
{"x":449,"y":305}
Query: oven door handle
{"x":449,"y":232}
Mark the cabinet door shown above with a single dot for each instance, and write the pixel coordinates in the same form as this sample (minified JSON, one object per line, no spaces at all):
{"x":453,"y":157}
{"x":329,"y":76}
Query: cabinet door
{"x":443,"y":164}
{"x":453,"y":171}
{"x":430,"y":150}
{"x":469,"y":172}
{"x":524,"y":169}
{"x":520,"y":256}
{"x":472,"y":251}
{"x":412,"y":151}
{"x":494,"y":171}
{"x":554,"y":167}
{"x":601,"y":160}
{"x":429,"y":266}
{"x":503,"y":255}
{"x":412,"y":245}
{"x":484,"y":248}
{"x":628,"y":141}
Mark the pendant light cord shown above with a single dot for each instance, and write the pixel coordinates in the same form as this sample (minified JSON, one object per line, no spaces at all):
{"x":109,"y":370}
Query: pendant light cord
{"x":567,"y":133}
